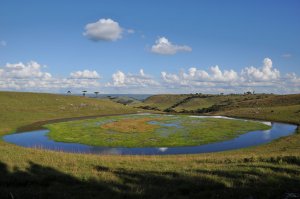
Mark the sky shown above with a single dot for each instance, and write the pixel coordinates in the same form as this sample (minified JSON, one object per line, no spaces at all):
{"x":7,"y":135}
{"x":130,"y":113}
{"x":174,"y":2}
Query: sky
{"x":138,"y":47}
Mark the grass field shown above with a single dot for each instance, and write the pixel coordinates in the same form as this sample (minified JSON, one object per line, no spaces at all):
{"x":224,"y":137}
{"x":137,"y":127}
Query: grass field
{"x":20,"y":109}
{"x":267,"y":171}
{"x":162,"y":102}
{"x":195,"y":102}
{"x":290,"y":114}
{"x":138,"y":131}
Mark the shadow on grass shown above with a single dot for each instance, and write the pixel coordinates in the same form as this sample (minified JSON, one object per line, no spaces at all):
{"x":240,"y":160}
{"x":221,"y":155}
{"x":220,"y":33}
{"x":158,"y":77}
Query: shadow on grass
{"x":45,"y":182}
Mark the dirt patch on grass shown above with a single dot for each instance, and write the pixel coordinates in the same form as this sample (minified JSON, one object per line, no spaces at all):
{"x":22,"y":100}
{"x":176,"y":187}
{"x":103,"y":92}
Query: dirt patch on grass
{"x":132,"y":125}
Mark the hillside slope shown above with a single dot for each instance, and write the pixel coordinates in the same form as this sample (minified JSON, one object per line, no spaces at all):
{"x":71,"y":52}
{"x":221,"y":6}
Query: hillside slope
{"x":18,"y":109}
{"x":199,"y":103}
{"x":266,"y":171}
{"x":162,"y":102}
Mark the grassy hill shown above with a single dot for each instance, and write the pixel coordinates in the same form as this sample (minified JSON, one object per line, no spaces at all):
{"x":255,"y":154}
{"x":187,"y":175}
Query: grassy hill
{"x":194,"y":103}
{"x":19,"y":109}
{"x":267,"y":171}
{"x":125,"y":100}
{"x":162,"y":102}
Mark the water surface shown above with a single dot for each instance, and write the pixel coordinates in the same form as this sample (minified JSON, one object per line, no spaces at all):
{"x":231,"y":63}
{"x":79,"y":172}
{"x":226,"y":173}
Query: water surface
{"x":39,"y":139}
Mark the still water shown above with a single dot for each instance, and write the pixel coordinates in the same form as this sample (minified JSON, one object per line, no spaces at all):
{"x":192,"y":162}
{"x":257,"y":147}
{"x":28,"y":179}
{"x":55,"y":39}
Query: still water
{"x":39,"y":139}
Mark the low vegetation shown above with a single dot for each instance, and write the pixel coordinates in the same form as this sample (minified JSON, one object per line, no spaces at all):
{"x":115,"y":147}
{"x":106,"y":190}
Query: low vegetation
{"x":161,"y":102}
{"x":132,"y":125}
{"x":202,"y":103}
{"x":267,"y":171}
{"x":19,"y":109}
{"x":150,"y":131}
{"x":124,"y":100}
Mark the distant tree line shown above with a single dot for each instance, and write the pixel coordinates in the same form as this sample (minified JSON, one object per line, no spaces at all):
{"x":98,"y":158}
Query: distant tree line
{"x":83,"y":93}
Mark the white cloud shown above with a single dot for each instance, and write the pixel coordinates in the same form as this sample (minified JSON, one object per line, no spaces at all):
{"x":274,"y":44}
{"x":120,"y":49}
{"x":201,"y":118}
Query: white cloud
{"x":225,"y":76}
{"x":263,"y":79}
{"x":266,"y":73}
{"x":290,"y":83}
{"x":103,"y":29}
{"x":31,"y":77}
{"x":292,"y":78}
{"x":85,"y":74}
{"x":20,"y":71}
{"x":197,"y":77}
{"x":165,"y":47}
{"x":3,"y":43}
{"x":120,"y":79}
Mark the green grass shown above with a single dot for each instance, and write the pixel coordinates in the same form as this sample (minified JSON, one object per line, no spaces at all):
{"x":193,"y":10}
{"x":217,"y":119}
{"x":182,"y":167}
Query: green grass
{"x":18,"y":109}
{"x":135,"y":131}
{"x":197,"y":103}
{"x":229,"y":102}
{"x":289,"y":114}
{"x":125,"y":100}
{"x":267,"y":171}
{"x":162,"y":102}
{"x":190,"y":102}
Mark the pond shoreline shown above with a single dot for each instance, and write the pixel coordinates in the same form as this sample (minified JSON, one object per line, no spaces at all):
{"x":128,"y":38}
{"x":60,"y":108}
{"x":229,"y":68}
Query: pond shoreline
{"x":39,"y":124}
{"x":252,"y":138}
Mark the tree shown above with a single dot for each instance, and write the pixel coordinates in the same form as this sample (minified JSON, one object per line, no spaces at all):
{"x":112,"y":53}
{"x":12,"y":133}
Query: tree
{"x":83,"y":93}
{"x":96,"y":93}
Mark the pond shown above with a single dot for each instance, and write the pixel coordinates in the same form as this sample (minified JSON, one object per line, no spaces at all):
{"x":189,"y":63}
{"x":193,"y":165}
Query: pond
{"x":39,"y":139}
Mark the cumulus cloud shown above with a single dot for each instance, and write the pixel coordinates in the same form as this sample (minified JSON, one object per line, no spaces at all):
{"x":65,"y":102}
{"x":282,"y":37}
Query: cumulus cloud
{"x":20,"y":71}
{"x":266,"y":73}
{"x":31,"y":77}
{"x":85,"y":74}
{"x":103,"y":29}
{"x":292,"y":77}
{"x":261,"y":79}
{"x":291,"y":83}
{"x":165,"y":47}
{"x":225,"y":76}
{"x":120,"y":79}
{"x":197,"y":77}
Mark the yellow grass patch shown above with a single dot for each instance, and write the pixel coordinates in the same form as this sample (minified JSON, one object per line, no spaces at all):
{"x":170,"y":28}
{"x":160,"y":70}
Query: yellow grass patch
{"x":132,"y":125}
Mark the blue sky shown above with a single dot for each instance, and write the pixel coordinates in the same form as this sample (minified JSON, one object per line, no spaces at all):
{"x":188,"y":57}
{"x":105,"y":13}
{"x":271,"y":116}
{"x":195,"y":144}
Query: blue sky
{"x":168,"y":40}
